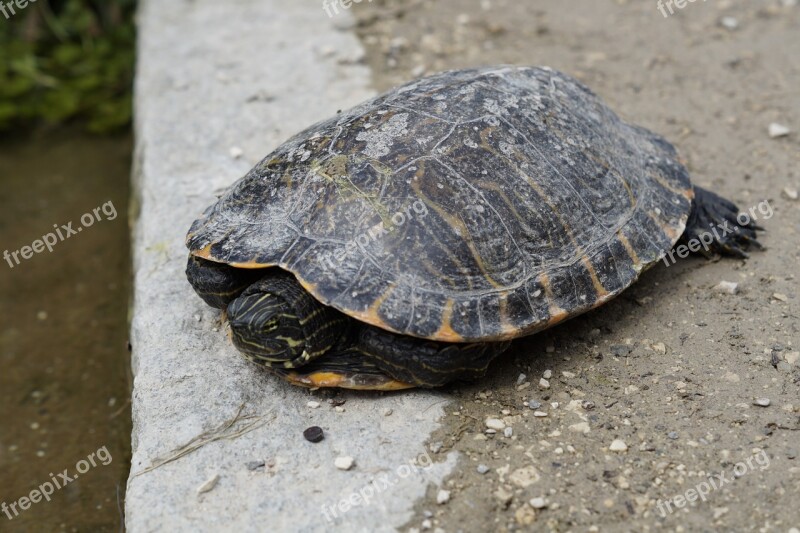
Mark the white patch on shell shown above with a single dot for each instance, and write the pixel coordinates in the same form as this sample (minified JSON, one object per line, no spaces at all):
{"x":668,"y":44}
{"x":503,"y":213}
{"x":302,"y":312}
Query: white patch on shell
{"x":506,"y":148}
{"x":380,"y":140}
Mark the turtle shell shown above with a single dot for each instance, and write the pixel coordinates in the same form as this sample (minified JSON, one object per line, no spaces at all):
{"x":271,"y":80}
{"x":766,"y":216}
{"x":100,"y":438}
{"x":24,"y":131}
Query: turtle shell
{"x":472,"y":205}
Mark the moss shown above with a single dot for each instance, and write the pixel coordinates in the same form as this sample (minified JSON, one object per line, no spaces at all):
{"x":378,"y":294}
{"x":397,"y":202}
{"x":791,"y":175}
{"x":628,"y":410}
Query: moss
{"x":66,"y":60}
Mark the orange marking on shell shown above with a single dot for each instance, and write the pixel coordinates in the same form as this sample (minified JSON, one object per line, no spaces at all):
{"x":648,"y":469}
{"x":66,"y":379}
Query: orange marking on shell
{"x":628,"y":248}
{"x":598,"y":287}
{"x":556,"y":313}
{"x":507,"y":329}
{"x":332,"y":379}
{"x":602,"y":300}
{"x":446,"y":332}
{"x":371,"y":316}
{"x":251,"y":265}
{"x":204,"y":253}
{"x":668,"y":230}
{"x":555,"y":317}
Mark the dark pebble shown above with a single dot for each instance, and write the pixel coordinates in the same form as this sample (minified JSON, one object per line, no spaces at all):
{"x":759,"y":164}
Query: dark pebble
{"x":621,"y":350}
{"x":314,"y":434}
{"x":254,"y":465}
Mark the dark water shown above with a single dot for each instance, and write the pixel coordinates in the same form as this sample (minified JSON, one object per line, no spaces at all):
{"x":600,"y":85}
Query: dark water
{"x":64,"y":372}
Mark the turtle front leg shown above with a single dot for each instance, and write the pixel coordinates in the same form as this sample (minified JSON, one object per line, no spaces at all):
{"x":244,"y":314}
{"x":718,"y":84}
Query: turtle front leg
{"x":716,"y":227}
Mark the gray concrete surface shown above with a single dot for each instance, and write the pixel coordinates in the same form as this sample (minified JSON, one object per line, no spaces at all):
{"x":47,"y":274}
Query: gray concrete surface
{"x":215,"y":78}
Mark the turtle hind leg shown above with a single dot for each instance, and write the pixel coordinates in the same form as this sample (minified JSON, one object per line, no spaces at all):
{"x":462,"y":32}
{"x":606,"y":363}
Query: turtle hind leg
{"x":715,"y":227}
{"x":422,"y":362}
{"x":219,"y":284}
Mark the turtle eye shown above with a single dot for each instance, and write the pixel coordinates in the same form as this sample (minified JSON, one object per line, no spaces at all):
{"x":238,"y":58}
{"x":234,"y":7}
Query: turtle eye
{"x":270,"y":325}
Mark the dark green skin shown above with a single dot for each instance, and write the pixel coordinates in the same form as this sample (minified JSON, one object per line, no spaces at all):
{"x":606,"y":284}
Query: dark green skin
{"x":276,"y":323}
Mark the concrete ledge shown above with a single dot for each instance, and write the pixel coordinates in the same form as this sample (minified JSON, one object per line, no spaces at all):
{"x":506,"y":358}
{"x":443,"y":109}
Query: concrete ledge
{"x":215,"y":76}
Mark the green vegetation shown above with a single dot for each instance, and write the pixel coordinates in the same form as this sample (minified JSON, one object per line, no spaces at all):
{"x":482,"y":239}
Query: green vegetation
{"x":67,"y":60}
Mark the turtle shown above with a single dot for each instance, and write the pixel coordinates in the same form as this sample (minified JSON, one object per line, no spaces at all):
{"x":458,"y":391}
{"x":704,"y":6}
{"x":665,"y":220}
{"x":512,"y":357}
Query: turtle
{"x":407,"y":241}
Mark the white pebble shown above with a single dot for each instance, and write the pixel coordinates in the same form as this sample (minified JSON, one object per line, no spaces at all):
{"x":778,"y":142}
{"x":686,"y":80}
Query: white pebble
{"x":730,"y":23}
{"x":313,"y":405}
{"x":344,"y":463}
{"x":547,"y":374}
{"x":208,"y":485}
{"x":778,"y":130}
{"x":544,"y":384}
{"x":538,"y":503}
{"x":618,"y":445}
{"x":762,"y":402}
{"x":236,"y":152}
{"x":790,"y":193}
{"x":539,"y":414}
{"x":508,"y":432}
{"x":727,"y":287}
{"x":482,"y":469}
{"x":443,"y":497}
{"x":495,"y":424}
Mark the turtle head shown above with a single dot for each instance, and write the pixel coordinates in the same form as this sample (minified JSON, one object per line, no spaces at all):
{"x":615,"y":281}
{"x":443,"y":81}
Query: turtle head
{"x":277,"y":323}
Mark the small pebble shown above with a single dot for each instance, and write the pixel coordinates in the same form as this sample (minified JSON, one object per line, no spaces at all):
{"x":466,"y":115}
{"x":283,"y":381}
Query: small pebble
{"x":387,"y":412}
{"x":495,"y":424}
{"x":587,"y":405}
{"x":443,"y":497}
{"x":344,"y":463}
{"x":778,"y":130}
{"x":672,"y":435}
{"x":314,"y":434}
{"x":208,"y":485}
{"x":790,"y":193}
{"x":762,"y":402}
{"x":730,"y":23}
{"x":547,"y":374}
{"x":544,"y":384}
{"x":236,"y":152}
{"x":482,"y":469}
{"x":620,"y":350}
{"x":508,"y":432}
{"x":313,"y":405}
{"x":539,"y":414}
{"x":618,"y":445}
{"x":534,"y":404}
{"x":726,"y":287}
{"x":521,"y":379}
{"x":659,"y":347}
{"x":254,"y":465}
{"x":538,"y":503}
{"x":780,"y":297}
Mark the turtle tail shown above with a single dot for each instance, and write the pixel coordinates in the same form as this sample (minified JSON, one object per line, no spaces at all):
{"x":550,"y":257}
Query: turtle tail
{"x":717,"y":227}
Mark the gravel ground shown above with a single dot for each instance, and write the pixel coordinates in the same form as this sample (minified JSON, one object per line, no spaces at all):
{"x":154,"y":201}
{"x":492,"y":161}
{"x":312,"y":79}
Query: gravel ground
{"x":677,"y":406}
